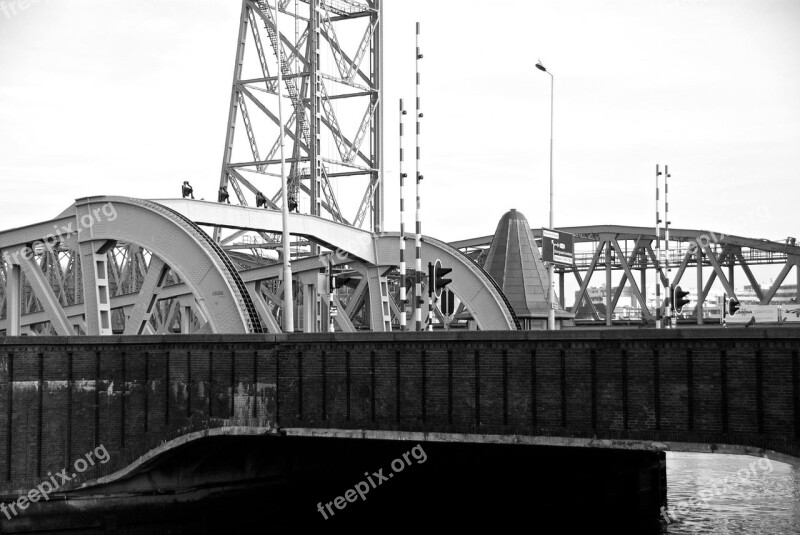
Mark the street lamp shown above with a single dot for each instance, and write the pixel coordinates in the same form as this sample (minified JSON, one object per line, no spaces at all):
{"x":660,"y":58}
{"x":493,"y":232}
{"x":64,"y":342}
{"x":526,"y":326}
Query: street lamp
{"x":551,"y":313}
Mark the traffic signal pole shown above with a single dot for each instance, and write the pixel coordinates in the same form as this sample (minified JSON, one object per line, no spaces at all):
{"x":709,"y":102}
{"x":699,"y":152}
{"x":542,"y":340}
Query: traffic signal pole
{"x":666,"y":246}
{"x":658,"y":254}
{"x":418,"y":237}
{"x":403,"y":297}
{"x":331,"y":291}
{"x":724,"y":309}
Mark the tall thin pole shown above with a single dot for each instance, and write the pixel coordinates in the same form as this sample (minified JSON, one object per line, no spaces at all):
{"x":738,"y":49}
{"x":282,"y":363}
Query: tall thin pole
{"x":331,"y":293}
{"x":666,"y":245}
{"x":658,"y":253}
{"x":403,"y":297}
{"x":551,"y":312}
{"x":418,"y":238}
{"x":288,"y":300}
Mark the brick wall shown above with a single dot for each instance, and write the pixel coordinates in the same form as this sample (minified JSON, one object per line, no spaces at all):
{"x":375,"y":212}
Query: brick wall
{"x":62,"y":397}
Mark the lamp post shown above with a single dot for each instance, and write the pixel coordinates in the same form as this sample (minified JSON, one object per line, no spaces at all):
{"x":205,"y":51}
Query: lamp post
{"x":551,"y":313}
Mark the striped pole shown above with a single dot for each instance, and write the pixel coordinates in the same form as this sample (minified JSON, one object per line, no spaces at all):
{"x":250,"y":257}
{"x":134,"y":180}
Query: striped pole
{"x":403,"y":297}
{"x":418,"y":238}
{"x":666,"y":245}
{"x":658,"y":255}
{"x":331,"y":293}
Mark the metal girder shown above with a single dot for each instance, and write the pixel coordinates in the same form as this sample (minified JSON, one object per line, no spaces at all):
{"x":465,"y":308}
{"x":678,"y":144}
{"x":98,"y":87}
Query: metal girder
{"x":299,"y":59}
{"x":342,"y":318}
{"x":262,"y":58}
{"x":264,"y":311}
{"x":582,"y":291}
{"x":361,"y":133}
{"x":358,"y":243}
{"x":302,"y":142}
{"x":201,"y":272}
{"x":715,"y":263}
{"x":44,"y":293}
{"x":684,"y":263}
{"x":335,"y":47}
{"x":148,"y":296}
{"x":632,"y":280}
{"x":749,"y":274}
{"x":251,"y":137}
{"x":595,"y":314}
{"x":777,"y":284}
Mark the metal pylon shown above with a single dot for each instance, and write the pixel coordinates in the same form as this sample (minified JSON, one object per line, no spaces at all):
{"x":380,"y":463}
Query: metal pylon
{"x":331,"y":63}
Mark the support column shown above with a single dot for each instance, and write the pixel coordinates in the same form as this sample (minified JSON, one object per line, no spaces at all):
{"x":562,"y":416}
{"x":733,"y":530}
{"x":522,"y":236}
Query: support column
{"x":609,"y":311}
{"x":699,"y":309}
{"x":13,"y":299}
{"x":96,"y":295}
{"x":730,"y":271}
{"x":561,"y":288}
{"x":186,"y":324}
{"x":377,"y":148}
{"x":315,"y":163}
{"x":643,"y":282}
{"x":309,"y":308}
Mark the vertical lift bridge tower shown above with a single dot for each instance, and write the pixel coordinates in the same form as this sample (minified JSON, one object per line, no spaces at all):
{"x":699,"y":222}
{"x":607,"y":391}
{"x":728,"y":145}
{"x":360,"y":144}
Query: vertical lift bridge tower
{"x":330,"y":56}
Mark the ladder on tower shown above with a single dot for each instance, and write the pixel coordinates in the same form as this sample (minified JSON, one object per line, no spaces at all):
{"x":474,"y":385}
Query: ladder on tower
{"x":291,"y":85}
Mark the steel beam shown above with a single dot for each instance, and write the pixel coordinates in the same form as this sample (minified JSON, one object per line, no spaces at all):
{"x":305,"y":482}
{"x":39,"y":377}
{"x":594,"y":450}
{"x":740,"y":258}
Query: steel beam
{"x":47,"y":298}
{"x":632,"y":280}
{"x":148,"y":297}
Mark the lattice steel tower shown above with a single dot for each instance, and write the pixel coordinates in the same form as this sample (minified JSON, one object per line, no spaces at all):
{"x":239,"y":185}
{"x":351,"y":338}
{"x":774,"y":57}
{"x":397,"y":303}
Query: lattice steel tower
{"x":330,"y":56}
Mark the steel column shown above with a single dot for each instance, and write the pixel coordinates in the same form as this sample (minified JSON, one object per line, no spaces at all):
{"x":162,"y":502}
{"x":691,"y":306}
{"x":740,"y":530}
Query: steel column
{"x":699,"y":308}
{"x":13,"y":299}
{"x":609,"y":311}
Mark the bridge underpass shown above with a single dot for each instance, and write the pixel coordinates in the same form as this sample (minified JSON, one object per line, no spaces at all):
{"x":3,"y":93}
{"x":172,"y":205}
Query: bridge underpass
{"x":634,"y":392}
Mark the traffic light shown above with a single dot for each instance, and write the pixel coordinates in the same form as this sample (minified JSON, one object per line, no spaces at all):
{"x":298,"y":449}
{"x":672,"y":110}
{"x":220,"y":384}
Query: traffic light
{"x":679,"y":298}
{"x":447,"y":304}
{"x":733,"y":306}
{"x":436,"y":280}
{"x":341,"y":281}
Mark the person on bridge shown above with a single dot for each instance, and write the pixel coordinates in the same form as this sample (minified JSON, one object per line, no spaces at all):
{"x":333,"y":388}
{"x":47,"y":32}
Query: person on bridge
{"x":261,"y":200}
{"x":223,"y":195}
{"x":187,"y":190}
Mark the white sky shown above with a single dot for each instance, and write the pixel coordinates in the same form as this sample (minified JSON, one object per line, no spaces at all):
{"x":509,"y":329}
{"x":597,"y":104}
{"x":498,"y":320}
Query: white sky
{"x":130,"y":98}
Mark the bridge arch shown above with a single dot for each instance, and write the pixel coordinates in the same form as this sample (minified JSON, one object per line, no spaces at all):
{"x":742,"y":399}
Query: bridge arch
{"x":94,"y":225}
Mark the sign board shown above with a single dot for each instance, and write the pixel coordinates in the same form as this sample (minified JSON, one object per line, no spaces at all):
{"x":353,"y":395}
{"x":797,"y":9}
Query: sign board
{"x":334,"y":311}
{"x":791,"y":313}
{"x":558,"y":247}
{"x":762,"y":314}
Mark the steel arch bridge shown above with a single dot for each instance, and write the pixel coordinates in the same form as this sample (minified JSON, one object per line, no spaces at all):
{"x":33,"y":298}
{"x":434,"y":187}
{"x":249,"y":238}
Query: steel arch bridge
{"x":116,"y":265}
{"x":630,"y":249}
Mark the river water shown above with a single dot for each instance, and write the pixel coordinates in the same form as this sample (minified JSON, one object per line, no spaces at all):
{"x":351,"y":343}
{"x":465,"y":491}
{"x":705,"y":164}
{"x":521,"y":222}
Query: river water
{"x":731,"y":494}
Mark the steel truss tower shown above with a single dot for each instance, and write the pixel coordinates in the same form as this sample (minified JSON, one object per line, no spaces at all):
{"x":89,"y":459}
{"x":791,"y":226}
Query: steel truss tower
{"x":330,"y":56}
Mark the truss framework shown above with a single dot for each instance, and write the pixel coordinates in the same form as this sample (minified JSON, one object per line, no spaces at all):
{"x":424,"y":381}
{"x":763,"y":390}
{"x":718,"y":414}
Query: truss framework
{"x":630,"y":249}
{"x":325,"y":137}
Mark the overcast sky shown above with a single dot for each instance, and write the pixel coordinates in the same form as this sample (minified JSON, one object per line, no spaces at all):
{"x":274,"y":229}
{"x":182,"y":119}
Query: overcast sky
{"x":130,"y":98}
